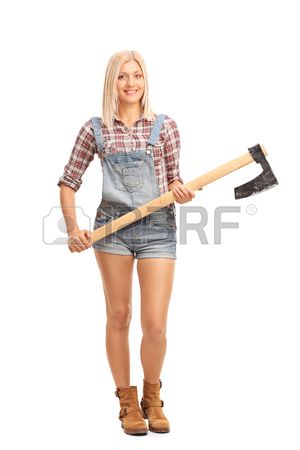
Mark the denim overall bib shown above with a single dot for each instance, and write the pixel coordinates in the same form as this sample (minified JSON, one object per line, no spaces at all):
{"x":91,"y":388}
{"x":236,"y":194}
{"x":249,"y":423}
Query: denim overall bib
{"x":129,"y":181}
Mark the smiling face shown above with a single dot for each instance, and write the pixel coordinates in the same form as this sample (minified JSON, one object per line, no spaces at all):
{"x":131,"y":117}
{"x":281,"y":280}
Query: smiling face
{"x":130,"y":83}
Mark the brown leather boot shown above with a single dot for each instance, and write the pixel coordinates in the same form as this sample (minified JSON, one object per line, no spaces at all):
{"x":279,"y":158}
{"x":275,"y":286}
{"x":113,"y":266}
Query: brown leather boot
{"x":152,"y":405}
{"x":130,"y":412}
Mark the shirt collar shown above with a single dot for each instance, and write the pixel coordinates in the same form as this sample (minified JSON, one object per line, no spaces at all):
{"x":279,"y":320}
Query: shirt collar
{"x":140,"y":118}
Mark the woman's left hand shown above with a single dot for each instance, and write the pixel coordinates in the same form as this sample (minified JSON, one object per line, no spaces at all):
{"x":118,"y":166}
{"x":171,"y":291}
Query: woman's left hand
{"x":182,"y":194}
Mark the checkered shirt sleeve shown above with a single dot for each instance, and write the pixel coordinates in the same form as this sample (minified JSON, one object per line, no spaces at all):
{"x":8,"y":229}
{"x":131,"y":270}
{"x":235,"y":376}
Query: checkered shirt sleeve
{"x":172,"y":151}
{"x":81,"y":156}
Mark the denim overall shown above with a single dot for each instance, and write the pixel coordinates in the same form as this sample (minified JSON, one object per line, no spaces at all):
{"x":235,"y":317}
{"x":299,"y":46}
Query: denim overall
{"x":129,"y":181}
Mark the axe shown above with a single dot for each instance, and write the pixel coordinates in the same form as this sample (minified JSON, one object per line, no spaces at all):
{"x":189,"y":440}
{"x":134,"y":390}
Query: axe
{"x":261,"y":183}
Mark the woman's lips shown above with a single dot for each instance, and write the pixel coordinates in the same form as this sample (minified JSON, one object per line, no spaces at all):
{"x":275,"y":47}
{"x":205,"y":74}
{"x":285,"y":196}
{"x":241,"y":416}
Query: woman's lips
{"x":131,"y":91}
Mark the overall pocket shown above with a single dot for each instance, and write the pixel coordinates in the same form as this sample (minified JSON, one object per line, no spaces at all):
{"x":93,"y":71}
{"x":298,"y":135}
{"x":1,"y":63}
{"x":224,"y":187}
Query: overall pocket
{"x":164,"y":218}
{"x":103,"y":216}
{"x":128,"y":176}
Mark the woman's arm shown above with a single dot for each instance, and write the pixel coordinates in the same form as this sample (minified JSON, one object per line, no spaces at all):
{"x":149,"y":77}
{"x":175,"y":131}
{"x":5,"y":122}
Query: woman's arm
{"x":172,"y":147}
{"x":82,"y":154}
{"x":79,"y":240}
{"x":172,"y":153}
{"x":67,"y":202}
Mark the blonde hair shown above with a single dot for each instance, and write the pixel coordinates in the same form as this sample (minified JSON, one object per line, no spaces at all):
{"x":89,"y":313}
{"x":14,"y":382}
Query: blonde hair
{"x":110,"y":100}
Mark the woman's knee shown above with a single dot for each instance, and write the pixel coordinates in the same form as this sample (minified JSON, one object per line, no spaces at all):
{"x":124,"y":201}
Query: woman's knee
{"x":119,"y":318}
{"x":154,"y":329}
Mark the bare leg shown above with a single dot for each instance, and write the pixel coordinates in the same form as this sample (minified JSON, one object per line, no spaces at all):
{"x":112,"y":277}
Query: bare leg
{"x":156,"y":280}
{"x":116,"y":272}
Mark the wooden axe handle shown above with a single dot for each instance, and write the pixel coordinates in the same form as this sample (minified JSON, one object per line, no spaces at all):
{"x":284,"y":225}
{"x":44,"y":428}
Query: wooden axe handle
{"x":223,"y":170}
{"x":168,"y":197}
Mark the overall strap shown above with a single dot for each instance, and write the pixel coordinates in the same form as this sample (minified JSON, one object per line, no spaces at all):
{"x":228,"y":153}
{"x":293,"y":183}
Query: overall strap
{"x":156,"y":129}
{"x":98,"y":133}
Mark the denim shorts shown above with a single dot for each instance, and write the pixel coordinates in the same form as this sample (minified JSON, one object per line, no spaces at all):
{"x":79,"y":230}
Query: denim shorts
{"x":152,"y":236}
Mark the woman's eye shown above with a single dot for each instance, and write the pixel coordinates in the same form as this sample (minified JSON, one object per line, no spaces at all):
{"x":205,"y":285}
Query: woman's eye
{"x":123,"y":76}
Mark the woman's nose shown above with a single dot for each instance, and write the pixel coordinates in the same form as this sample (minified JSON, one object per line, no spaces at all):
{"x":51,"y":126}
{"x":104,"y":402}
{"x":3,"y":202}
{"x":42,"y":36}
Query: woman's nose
{"x":130,"y":82}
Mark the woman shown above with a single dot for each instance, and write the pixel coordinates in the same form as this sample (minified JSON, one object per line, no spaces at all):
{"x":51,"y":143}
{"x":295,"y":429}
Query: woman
{"x":139,"y":155}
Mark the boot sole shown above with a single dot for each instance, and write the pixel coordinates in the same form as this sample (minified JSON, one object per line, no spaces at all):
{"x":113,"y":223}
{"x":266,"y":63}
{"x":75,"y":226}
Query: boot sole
{"x":154,"y":430}
{"x":135,"y":432}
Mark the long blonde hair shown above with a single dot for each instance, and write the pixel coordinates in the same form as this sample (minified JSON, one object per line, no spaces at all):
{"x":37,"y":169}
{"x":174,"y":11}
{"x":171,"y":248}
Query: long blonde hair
{"x":110,"y":100}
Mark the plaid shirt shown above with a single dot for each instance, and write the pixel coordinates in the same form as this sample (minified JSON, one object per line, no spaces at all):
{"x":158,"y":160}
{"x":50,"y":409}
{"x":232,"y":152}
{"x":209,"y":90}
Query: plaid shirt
{"x":120,"y":138}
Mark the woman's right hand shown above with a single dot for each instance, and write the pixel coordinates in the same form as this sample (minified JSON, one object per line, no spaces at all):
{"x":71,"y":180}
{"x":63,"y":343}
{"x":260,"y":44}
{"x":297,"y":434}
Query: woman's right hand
{"x":79,"y":240}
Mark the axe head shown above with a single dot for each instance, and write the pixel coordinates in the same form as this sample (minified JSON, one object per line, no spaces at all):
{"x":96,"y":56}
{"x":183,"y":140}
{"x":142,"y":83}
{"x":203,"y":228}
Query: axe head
{"x":262,"y":182}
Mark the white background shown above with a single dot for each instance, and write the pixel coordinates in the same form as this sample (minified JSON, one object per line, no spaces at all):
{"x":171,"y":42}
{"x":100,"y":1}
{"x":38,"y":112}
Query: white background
{"x":228,"y":74}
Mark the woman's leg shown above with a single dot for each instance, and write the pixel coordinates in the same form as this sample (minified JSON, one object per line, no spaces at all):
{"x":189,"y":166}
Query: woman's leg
{"x":116,"y":272}
{"x":156,"y":280}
